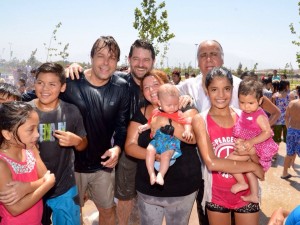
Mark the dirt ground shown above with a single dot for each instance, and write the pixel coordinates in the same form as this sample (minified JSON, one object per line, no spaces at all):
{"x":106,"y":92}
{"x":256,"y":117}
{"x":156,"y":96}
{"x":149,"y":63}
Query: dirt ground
{"x":276,"y":193}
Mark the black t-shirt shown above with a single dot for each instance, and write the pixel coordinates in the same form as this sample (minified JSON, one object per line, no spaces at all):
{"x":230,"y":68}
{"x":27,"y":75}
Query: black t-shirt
{"x":105,"y":112}
{"x":182,"y":178}
{"x":136,"y":96}
{"x":59,"y":160}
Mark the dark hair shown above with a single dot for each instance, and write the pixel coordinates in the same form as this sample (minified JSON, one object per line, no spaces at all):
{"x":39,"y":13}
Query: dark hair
{"x":284,"y":76}
{"x":249,"y":74}
{"x":22,"y":81}
{"x":10,"y":91}
{"x":298,"y":89}
{"x":55,"y":68}
{"x":106,"y":41}
{"x":283,"y":84}
{"x":250,"y":87}
{"x":142,"y":44}
{"x":13,"y":115}
{"x":267,"y":80}
{"x":176,"y":72}
{"x":218,"y":72}
{"x":33,"y":71}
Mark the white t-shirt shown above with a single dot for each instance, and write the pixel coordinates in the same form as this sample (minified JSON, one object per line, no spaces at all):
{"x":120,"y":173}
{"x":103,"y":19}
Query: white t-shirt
{"x":193,"y":87}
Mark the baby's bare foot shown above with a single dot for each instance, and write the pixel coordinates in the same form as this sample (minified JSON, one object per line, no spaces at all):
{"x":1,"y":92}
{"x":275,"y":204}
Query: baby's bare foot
{"x":250,"y":198}
{"x":238,"y":187}
{"x":160,"y":179}
{"x":152,"y":178}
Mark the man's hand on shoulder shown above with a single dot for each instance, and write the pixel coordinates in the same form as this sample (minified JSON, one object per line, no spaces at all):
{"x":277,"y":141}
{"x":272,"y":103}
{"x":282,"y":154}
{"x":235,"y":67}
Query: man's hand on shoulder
{"x":73,"y":71}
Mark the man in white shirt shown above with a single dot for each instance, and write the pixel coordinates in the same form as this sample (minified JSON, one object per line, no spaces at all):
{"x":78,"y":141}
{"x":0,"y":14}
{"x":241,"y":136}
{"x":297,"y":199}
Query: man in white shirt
{"x":210,"y":54}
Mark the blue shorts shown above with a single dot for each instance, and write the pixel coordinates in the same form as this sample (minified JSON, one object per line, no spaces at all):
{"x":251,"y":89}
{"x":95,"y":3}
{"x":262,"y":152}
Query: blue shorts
{"x":163,"y":142}
{"x":65,"y":208}
{"x":293,"y":142}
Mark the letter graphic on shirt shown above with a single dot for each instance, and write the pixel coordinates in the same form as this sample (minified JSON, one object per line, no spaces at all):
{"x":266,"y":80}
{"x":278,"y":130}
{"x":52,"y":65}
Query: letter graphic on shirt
{"x":46,"y":130}
{"x":61,"y":126}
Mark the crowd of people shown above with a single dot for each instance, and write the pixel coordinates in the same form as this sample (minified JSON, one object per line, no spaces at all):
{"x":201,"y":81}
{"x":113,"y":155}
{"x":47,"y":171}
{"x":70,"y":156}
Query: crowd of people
{"x":140,"y":134}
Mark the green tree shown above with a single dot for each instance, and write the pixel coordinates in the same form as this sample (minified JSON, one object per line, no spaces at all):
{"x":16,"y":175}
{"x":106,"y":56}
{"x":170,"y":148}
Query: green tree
{"x":297,"y":43}
{"x":151,"y":22}
{"x":54,"y":51}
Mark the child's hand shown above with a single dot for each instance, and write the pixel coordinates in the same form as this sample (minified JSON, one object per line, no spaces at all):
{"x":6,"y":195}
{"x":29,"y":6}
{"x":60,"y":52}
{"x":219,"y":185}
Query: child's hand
{"x":242,"y":146}
{"x":49,"y":178}
{"x":66,"y":138}
{"x":16,"y":191}
{"x":142,"y":128}
{"x":278,"y":216}
{"x":248,"y":145}
{"x":187,"y":135}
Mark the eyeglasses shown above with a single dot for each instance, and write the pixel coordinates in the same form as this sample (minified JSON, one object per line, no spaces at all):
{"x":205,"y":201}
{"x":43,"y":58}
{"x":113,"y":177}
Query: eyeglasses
{"x":211,"y":55}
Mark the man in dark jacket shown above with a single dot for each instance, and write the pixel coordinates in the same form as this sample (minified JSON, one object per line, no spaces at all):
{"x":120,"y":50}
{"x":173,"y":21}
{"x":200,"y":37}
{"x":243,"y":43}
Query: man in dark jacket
{"x":104,"y":102}
{"x":141,"y":60}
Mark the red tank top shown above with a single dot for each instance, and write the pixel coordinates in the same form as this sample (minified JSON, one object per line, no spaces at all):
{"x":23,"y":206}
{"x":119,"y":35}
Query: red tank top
{"x":26,"y":172}
{"x":223,"y":142}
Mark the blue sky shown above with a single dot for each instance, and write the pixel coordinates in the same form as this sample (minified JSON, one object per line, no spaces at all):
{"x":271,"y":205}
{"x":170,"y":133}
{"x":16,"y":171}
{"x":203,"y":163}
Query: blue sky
{"x":250,"y":32}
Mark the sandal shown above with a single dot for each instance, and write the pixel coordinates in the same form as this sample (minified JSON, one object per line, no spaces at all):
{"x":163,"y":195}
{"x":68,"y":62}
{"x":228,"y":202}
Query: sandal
{"x":286,"y":177}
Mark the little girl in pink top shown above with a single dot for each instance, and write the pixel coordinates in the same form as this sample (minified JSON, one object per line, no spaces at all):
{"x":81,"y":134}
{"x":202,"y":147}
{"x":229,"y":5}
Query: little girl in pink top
{"x":253,"y":127}
{"x":19,"y":165}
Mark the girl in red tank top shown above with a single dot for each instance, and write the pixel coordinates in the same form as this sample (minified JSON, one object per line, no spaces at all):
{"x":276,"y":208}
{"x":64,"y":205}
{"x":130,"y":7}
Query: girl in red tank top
{"x":213,"y":131}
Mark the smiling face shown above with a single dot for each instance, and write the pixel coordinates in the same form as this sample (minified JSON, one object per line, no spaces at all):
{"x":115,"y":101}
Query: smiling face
{"x":47,"y":88}
{"x":210,"y":54}
{"x":220,"y":92}
{"x":140,"y":62}
{"x":104,"y":64}
{"x":150,"y":89}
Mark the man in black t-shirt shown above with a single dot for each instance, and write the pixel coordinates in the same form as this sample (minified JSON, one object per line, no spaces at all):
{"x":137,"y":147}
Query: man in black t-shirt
{"x":104,"y":102}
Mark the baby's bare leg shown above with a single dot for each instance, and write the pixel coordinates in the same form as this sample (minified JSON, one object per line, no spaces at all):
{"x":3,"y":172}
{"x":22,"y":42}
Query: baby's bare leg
{"x":165,"y":158}
{"x":150,"y":158}
{"x":241,"y":184}
{"x":253,"y":182}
